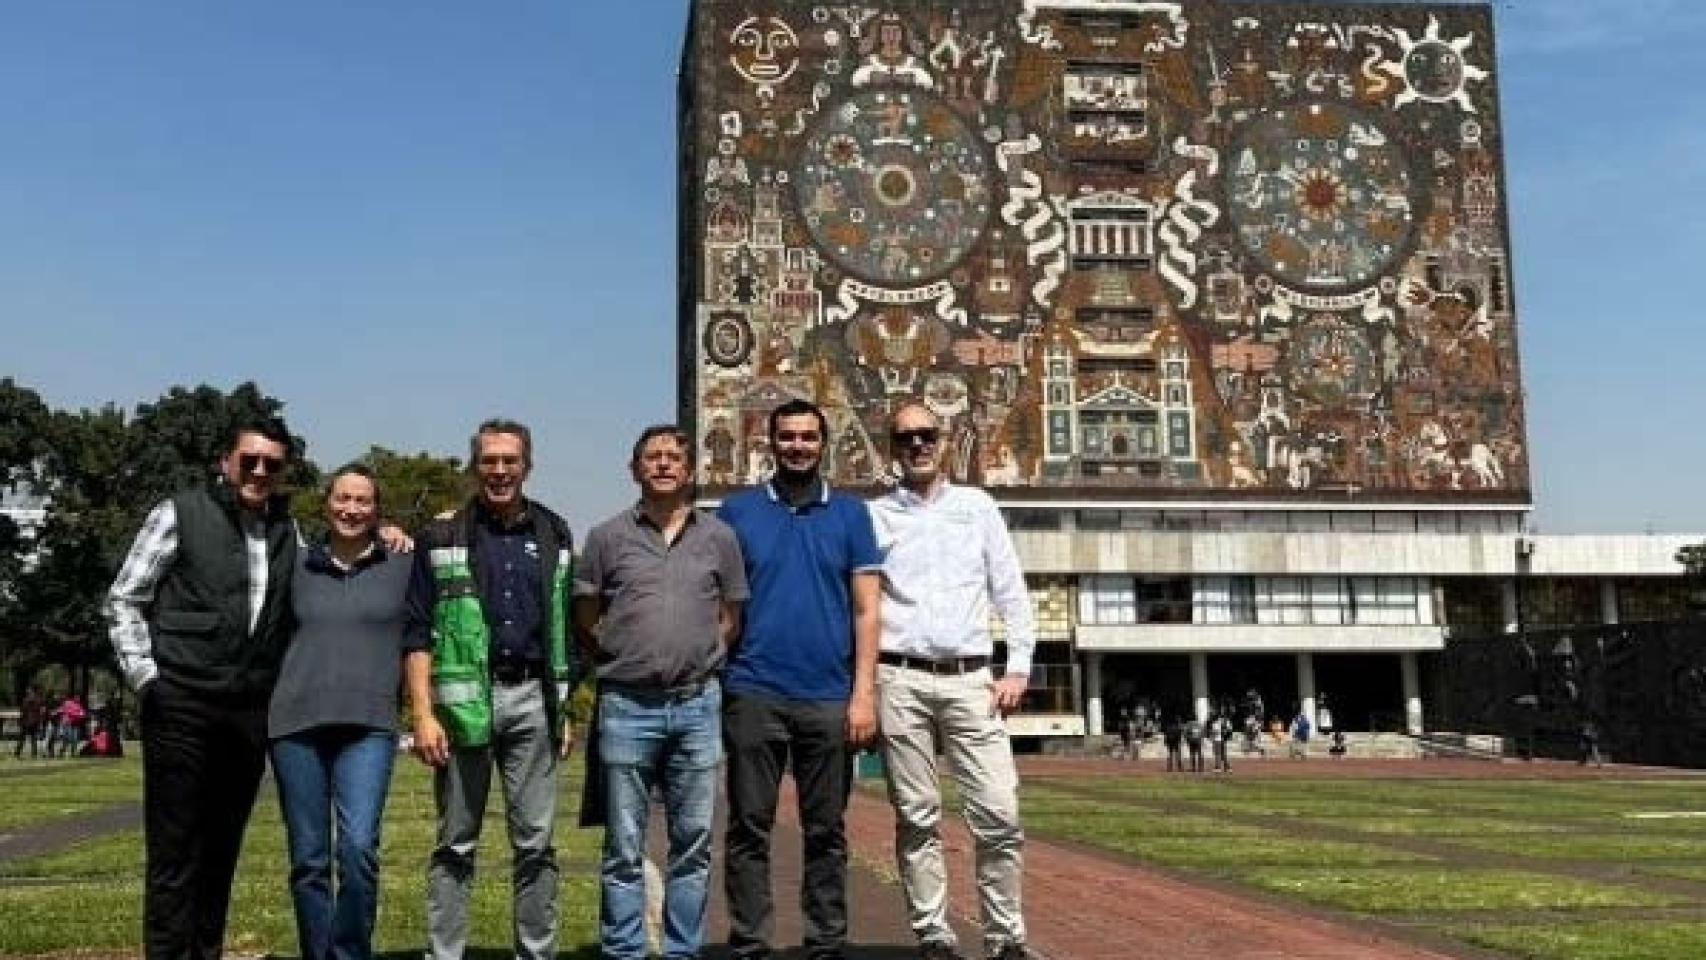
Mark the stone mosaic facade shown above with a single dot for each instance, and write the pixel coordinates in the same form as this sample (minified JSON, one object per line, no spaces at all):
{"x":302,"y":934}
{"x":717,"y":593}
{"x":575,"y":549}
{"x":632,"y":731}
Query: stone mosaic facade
{"x":1124,"y":248}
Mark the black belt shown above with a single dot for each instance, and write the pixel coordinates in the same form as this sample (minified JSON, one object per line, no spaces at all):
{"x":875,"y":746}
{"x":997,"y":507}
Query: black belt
{"x":519,"y":672}
{"x":934,"y":664}
{"x":648,"y":691}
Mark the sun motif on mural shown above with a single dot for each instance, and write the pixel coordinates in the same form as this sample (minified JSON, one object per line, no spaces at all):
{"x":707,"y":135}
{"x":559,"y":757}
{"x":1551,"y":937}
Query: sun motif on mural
{"x":1321,"y":196}
{"x":1434,"y":69}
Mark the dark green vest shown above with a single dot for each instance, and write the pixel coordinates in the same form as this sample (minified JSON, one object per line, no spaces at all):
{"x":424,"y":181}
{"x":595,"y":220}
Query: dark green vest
{"x":199,"y":622}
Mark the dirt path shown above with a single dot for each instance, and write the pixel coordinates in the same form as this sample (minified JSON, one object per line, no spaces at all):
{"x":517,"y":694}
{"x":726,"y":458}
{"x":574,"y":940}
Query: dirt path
{"x":37,"y":839}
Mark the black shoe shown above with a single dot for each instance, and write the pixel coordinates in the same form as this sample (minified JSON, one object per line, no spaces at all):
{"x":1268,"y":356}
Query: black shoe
{"x":1012,"y":951}
{"x":938,"y":951}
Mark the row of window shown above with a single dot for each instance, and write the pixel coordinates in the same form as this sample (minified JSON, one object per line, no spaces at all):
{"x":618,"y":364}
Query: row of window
{"x":1339,"y":601}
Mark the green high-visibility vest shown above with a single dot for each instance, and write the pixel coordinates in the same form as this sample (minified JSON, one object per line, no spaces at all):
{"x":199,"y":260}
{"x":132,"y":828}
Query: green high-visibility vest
{"x":461,"y":642}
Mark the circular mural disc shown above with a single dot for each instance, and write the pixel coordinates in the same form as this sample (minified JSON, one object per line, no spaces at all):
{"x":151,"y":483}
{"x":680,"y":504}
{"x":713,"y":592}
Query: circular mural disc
{"x":893,"y":186}
{"x":1322,"y":198}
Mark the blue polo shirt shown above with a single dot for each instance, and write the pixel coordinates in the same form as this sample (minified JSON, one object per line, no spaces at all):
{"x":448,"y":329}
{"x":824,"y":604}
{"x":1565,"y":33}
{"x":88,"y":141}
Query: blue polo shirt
{"x":797,"y":641}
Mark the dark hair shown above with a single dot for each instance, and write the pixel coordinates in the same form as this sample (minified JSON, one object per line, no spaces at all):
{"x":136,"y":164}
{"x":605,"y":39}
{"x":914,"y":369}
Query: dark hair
{"x":356,"y":469}
{"x":501,"y":425}
{"x":272,"y":428}
{"x":669,"y":430}
{"x":797,"y":408}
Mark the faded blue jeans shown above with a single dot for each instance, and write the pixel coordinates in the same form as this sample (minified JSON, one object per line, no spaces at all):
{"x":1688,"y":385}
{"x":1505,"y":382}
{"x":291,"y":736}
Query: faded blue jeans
{"x":661,"y":740}
{"x":327,"y":775}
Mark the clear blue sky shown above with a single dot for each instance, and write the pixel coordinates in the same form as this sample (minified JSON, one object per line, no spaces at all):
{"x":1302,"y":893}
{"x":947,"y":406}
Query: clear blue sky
{"x":402,"y":217}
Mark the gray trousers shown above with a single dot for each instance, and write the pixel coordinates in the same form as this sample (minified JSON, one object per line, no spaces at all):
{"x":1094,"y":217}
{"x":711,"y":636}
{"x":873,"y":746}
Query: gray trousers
{"x":919,"y":714}
{"x":527,"y":765}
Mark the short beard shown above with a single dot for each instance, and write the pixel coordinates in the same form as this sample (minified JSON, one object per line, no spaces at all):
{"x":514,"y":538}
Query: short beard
{"x":791,"y":477}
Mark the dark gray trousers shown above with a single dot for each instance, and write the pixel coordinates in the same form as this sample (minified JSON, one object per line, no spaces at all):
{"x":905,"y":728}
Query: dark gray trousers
{"x":763,"y":737}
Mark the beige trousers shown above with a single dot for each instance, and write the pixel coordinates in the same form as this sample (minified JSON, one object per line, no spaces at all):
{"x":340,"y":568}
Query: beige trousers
{"x":922,"y":714}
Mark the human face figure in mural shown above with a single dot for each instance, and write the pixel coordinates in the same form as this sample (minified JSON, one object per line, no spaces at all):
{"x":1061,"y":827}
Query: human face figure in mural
{"x":916,"y":439}
{"x":798,"y":434}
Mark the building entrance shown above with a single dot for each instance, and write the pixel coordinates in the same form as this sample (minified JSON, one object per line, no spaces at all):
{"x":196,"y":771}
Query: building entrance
{"x":1365,"y":691}
{"x":1231,"y":677}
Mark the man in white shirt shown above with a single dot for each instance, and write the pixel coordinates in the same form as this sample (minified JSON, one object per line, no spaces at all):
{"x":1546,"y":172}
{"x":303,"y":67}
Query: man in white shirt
{"x":946,"y":559}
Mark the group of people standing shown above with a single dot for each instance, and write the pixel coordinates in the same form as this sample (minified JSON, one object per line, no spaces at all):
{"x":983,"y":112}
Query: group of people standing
{"x":63,"y":727}
{"x":791,"y":627}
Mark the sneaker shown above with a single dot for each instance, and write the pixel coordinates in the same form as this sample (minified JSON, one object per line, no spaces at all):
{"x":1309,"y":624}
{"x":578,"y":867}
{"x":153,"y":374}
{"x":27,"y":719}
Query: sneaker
{"x":938,"y":951}
{"x":1013,"y":951}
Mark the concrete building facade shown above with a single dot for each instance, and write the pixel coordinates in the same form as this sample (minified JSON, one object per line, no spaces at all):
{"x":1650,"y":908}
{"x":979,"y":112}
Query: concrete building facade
{"x":1214,"y":297}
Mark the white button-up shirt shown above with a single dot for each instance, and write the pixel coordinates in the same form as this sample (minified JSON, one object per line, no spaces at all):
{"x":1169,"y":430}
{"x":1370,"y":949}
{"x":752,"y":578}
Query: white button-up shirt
{"x":945,"y":561}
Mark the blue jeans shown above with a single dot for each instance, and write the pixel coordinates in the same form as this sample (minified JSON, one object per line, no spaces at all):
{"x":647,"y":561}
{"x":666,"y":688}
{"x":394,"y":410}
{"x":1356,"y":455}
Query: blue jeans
{"x":341,"y":773}
{"x":645,"y":738}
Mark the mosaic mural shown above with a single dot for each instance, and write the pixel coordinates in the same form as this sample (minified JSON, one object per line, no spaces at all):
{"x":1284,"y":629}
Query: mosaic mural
{"x":1123,"y":247}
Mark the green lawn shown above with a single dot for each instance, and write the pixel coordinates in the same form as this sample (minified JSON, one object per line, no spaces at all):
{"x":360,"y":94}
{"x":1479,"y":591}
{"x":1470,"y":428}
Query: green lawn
{"x":89,"y":896}
{"x":1413,"y":852}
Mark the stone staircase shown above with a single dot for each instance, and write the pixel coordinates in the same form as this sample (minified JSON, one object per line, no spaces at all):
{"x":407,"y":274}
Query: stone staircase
{"x":1381,"y":746}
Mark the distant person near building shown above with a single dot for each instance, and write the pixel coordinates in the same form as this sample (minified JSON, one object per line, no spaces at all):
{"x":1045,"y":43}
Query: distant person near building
{"x":1173,"y":737}
{"x":1194,"y":734}
{"x":1220,"y":734}
{"x":1300,"y":730}
{"x":32,"y":717}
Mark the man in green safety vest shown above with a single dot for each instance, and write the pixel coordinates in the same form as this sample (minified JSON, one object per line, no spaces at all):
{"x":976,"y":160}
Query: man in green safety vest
{"x":489,"y":672}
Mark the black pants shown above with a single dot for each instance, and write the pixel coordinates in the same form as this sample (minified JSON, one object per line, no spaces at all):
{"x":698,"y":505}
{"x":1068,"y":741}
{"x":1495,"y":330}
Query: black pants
{"x":763,"y":736}
{"x":31,"y":735}
{"x":202,"y":759}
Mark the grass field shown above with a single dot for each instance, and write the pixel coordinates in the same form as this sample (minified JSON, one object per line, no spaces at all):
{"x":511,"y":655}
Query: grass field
{"x":1525,"y":868}
{"x":1550,"y":870}
{"x":88,"y":896}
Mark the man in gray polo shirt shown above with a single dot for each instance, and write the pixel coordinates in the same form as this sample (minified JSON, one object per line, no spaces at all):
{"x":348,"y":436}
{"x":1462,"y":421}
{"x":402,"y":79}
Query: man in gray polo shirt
{"x":657,"y":599}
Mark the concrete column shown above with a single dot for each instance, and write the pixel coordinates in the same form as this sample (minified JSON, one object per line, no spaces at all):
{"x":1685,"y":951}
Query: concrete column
{"x":1507,"y":597}
{"x":1609,"y":612}
{"x":1306,"y":685}
{"x":1093,"y":694}
{"x":1199,"y":684}
{"x":1412,"y":693}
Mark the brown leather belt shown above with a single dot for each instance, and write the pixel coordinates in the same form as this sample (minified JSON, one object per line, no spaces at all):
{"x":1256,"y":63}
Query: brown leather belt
{"x":950,"y":665}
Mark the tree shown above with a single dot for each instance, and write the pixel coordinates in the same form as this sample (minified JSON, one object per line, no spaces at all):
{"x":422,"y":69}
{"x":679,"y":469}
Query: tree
{"x":176,"y":441}
{"x":23,"y":421}
{"x":414,"y":488}
{"x":1693,"y":560}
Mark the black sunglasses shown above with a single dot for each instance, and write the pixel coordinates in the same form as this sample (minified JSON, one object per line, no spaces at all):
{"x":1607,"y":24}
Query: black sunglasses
{"x":924,"y":435}
{"x":251,"y":462}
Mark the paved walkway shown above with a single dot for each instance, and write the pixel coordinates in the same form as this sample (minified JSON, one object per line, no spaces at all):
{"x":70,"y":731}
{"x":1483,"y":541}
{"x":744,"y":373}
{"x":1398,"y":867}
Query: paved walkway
{"x":1081,"y":906}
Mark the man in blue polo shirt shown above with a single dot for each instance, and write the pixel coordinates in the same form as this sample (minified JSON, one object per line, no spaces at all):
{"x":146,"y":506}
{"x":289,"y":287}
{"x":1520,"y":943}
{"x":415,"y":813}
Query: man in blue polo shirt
{"x":800,"y":684}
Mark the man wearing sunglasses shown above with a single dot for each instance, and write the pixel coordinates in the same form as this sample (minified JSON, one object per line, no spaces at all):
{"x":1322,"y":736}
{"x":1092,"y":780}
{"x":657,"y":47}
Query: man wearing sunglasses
{"x":947,"y":558}
{"x":199,"y":618}
{"x":798,"y":682}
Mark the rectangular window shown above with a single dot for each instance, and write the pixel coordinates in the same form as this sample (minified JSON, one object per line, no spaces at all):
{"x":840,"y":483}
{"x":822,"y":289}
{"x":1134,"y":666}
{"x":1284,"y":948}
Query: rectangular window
{"x":1164,"y":600}
{"x":1060,"y":433}
{"x":1107,"y":600}
{"x":1179,"y":434}
{"x":1387,"y":601}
